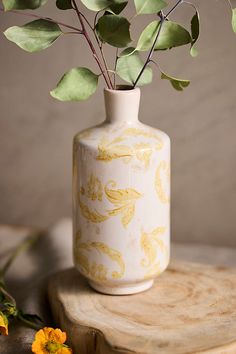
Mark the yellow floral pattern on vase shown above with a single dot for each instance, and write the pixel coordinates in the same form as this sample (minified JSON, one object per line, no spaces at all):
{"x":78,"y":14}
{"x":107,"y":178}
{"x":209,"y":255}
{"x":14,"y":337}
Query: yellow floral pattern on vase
{"x":93,"y":270}
{"x":150,"y":244}
{"x":109,"y":150}
{"x":124,"y":201}
{"x":91,"y":215}
{"x":95,"y":189}
{"x":162,"y":174}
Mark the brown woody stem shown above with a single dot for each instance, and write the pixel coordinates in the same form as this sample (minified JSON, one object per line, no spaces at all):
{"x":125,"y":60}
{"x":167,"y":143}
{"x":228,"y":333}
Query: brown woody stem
{"x":43,"y":18}
{"x":163,"y":18}
{"x":85,"y":33}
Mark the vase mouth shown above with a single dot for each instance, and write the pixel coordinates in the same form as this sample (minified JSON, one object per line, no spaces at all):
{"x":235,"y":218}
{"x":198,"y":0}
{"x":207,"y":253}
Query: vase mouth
{"x":122,"y":89}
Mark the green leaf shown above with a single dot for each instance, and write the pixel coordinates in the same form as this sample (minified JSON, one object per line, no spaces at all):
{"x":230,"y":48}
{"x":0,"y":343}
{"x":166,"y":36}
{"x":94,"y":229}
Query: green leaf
{"x":149,"y":6}
{"x":117,"y":6}
{"x":172,"y":35}
{"x":114,"y":30}
{"x":195,"y":24}
{"x":78,"y":84}
{"x":234,"y":20}
{"x":22,"y":4}
{"x":128,"y":68}
{"x":34,"y":36}
{"x":178,"y":84}
{"x":128,"y":51}
{"x":10,"y":309}
{"x":96,"y":5}
{"x":64,"y":4}
{"x":147,"y":37}
{"x":193,"y":51}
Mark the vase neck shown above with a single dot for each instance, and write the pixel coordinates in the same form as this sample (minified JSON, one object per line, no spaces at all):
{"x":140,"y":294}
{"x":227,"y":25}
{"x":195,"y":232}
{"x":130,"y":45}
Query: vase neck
{"x":122,"y":105}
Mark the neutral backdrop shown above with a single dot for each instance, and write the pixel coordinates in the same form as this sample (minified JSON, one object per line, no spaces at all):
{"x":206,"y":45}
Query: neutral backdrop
{"x":36,"y":130}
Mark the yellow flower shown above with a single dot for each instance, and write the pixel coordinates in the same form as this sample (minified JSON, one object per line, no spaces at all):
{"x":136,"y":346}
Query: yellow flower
{"x":3,"y":324}
{"x":50,"y":341}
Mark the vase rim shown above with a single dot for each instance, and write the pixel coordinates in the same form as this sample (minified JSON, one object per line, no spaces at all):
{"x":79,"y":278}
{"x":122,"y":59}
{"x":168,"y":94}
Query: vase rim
{"x":122,"y":89}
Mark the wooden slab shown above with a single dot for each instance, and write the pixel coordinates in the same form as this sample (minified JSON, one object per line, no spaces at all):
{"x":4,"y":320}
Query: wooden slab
{"x":190,"y":309}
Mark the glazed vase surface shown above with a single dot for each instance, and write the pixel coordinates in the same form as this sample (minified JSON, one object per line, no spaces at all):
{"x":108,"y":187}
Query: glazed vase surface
{"x":121,"y":199}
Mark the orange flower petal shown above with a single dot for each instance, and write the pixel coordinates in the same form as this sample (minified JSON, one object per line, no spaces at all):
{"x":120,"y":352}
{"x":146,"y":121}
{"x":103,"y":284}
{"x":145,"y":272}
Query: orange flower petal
{"x":64,"y":351}
{"x":57,"y":336}
{"x":47,"y":340}
{"x":3,"y":324}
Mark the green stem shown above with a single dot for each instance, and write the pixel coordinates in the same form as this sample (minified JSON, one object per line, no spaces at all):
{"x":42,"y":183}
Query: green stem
{"x":27,"y":243}
{"x":29,"y":323}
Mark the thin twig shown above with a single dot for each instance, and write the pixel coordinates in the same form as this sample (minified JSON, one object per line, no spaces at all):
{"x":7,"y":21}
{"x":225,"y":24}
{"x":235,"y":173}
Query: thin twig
{"x":85,"y":33}
{"x":173,"y":8}
{"x":43,"y":18}
{"x":87,"y":21}
{"x":115,"y":68}
{"x":163,"y":18}
{"x":95,"y":19}
{"x":150,"y":53}
{"x":105,"y":63}
{"x":99,"y":43}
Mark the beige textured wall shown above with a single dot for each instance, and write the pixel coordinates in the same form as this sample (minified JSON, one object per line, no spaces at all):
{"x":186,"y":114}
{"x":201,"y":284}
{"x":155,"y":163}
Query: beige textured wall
{"x":36,"y":131}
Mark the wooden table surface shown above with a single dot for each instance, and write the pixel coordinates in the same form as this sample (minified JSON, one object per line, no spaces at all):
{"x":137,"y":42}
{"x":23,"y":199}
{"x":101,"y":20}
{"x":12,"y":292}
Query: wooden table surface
{"x":27,"y":278}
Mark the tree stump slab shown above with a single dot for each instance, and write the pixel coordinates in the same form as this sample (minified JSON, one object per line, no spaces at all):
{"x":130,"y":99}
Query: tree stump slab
{"x":191,"y":309}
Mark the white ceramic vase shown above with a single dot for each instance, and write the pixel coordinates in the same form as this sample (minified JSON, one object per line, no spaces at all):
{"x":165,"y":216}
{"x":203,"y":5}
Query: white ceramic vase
{"x":121,"y":199}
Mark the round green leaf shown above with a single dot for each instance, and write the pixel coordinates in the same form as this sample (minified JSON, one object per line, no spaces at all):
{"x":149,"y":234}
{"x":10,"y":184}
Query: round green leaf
{"x":147,"y":37}
{"x":64,"y":4}
{"x":149,"y":6}
{"x":22,"y":4}
{"x":178,"y":84}
{"x":96,"y":5}
{"x":114,"y":30}
{"x":34,"y":36}
{"x":117,"y":6}
{"x":128,"y":68}
{"x":172,"y":35}
{"x":78,"y":84}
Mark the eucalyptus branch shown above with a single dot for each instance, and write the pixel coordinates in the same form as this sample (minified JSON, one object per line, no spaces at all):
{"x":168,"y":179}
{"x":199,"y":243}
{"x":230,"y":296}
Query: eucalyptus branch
{"x":98,"y":43}
{"x":85,"y":33}
{"x":150,"y":52}
{"x":173,"y":8}
{"x":43,"y":18}
{"x":86,"y":20}
{"x":95,"y":19}
{"x":163,"y":18}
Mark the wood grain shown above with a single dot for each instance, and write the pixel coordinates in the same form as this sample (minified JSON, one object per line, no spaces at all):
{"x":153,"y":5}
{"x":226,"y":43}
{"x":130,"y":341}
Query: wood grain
{"x":190,"y":309}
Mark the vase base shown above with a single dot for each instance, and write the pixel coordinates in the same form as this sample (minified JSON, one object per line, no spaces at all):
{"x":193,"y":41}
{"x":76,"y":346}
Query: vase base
{"x":123,"y":289}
